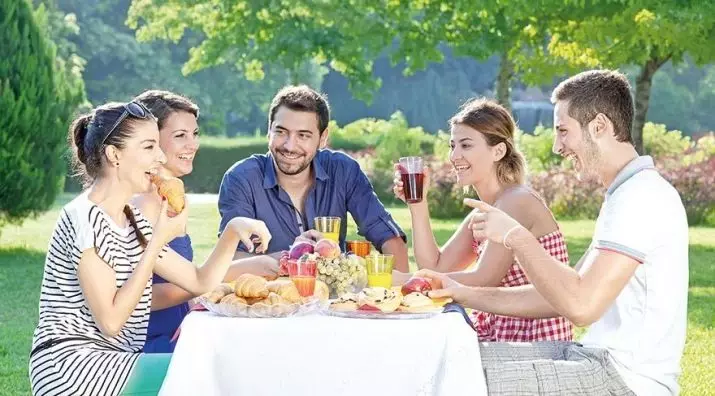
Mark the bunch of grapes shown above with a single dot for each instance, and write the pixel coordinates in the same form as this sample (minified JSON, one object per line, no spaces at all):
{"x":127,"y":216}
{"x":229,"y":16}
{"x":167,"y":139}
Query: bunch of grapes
{"x":345,"y":273}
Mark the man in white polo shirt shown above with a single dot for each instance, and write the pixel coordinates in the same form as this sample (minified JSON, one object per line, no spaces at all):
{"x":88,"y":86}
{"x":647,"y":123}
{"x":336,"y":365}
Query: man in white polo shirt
{"x":630,"y":287}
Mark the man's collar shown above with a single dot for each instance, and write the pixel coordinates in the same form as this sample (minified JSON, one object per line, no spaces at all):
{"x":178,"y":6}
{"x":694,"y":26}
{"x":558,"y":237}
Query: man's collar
{"x":270,"y":178}
{"x":636,"y":165}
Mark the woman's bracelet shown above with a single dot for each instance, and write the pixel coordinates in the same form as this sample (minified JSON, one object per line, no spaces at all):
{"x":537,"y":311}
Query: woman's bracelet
{"x":507,"y":236}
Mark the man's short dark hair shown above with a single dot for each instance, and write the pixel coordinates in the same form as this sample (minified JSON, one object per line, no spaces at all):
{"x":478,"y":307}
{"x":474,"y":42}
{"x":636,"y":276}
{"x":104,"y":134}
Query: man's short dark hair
{"x":301,"y":98}
{"x":599,"y":91}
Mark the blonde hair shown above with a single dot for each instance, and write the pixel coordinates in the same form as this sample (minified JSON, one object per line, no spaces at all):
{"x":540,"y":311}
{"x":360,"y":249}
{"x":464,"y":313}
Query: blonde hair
{"x":497,"y":125}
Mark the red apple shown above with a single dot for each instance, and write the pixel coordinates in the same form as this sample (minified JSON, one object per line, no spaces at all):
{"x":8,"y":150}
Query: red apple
{"x":416,"y":284}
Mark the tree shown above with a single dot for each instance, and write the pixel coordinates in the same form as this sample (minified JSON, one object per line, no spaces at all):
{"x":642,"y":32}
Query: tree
{"x":351,"y":36}
{"x":646,"y":33}
{"x":34,"y":116}
{"x":118,"y":68}
{"x":58,"y":29}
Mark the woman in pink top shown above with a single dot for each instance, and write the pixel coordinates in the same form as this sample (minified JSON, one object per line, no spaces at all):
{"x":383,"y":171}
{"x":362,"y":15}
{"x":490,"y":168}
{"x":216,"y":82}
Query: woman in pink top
{"x":484,"y":157}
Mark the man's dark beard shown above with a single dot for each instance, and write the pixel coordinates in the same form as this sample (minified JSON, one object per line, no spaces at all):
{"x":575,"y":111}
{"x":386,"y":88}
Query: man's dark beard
{"x":303,"y":167}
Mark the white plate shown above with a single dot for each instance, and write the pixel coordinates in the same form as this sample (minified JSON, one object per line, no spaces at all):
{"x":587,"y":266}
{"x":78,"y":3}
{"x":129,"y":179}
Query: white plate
{"x":260,"y":310}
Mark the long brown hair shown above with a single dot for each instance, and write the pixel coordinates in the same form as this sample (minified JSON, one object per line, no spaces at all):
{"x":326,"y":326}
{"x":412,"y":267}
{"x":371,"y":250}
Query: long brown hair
{"x":497,"y":125}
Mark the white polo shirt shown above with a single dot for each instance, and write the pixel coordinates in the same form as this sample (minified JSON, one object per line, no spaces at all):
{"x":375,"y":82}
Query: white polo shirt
{"x":644,"y":329}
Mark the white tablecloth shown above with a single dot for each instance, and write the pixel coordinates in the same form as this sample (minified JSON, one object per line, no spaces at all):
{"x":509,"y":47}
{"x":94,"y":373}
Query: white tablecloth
{"x":324,"y":355}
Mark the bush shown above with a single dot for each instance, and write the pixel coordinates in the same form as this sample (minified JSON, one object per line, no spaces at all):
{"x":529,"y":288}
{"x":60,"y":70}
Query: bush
{"x":34,"y":116}
{"x":695,"y":184}
{"x":662,"y":143}
{"x":213,"y":160}
{"x":566,"y":196}
{"x":383,"y":142}
{"x":537,"y":149}
{"x":446,"y":195}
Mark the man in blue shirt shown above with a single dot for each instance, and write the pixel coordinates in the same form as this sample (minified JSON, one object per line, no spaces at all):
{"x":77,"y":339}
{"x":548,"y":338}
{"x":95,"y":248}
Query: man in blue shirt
{"x":299,"y":180}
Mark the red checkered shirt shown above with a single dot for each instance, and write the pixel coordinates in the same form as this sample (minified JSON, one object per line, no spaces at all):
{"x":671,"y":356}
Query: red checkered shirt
{"x":497,"y":328}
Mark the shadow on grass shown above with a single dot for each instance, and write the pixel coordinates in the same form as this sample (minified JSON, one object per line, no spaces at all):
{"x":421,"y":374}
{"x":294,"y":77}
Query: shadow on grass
{"x":21,"y":274}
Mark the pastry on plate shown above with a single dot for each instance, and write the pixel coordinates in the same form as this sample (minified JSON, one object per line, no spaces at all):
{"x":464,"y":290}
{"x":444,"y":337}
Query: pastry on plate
{"x":345,"y":303}
{"x":286,"y":289}
{"x":251,"y":286}
{"x":418,"y":302}
{"x":233,"y":299}
{"x":218,"y":293}
{"x":385,"y":300}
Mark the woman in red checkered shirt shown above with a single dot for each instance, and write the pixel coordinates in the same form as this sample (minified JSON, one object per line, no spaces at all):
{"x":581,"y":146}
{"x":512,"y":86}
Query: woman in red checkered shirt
{"x":484,"y":157}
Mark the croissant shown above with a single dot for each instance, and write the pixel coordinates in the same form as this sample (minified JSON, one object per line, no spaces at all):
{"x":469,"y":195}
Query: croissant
{"x":248,"y":285}
{"x":172,"y":189}
{"x":273,"y":299}
{"x":219,"y":292}
{"x":233,"y":299}
{"x":285,"y":289}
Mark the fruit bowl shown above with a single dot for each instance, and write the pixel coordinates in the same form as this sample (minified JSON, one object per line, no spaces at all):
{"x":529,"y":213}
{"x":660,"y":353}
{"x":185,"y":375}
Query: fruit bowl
{"x":342,"y":272}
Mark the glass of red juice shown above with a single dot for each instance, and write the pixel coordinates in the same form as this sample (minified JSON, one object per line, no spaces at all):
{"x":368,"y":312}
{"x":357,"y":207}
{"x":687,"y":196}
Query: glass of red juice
{"x":302,"y":273}
{"x":412,"y":172}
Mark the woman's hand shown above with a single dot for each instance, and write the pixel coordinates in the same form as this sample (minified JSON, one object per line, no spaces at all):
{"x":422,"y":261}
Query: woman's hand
{"x":246,"y":229}
{"x":398,"y":186}
{"x":167,"y":227}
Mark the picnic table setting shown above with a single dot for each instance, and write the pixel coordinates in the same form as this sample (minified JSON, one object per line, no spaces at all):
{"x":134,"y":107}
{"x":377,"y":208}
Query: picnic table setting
{"x":332,"y":324}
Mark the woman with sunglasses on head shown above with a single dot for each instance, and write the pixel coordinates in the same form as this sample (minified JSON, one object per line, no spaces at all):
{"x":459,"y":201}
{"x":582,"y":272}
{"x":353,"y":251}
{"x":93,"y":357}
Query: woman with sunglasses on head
{"x":484,"y":156}
{"x":96,"y":290}
{"x":177,"y":118}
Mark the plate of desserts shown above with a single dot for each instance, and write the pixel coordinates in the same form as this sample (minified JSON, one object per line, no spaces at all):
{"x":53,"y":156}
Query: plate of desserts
{"x":411,"y":301}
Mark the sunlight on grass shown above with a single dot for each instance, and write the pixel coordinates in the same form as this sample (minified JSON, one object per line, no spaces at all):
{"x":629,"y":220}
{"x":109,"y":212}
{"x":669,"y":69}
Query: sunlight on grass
{"x":22,"y":251}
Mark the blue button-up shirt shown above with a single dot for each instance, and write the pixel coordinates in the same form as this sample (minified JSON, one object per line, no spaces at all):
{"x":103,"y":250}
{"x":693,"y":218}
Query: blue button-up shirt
{"x":250,"y":189}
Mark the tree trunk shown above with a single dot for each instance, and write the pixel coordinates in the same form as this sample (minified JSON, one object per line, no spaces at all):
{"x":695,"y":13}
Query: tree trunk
{"x":644,"y":81}
{"x":506,"y":72}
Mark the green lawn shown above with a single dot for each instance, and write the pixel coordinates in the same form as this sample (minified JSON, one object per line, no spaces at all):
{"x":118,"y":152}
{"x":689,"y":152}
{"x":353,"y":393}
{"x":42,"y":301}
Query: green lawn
{"x":22,"y":251}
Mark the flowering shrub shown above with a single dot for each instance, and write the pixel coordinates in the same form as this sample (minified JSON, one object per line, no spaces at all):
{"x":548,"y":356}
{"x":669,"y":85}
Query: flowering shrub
{"x":689,"y":166}
{"x":696,"y":185}
{"x":445,"y":193}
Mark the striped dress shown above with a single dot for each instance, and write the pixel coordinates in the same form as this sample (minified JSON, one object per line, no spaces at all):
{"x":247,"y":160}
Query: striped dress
{"x":70,"y":355}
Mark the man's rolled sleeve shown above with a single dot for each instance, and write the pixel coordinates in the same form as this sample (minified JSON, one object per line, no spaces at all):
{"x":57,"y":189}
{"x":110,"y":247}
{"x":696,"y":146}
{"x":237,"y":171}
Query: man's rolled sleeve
{"x":373,"y":221}
{"x":630,"y":228}
{"x":234,"y":200}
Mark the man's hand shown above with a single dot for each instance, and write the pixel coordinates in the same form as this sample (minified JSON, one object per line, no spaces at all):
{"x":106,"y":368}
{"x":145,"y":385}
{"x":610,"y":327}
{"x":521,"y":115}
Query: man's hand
{"x":443,"y":286}
{"x":490,"y":223}
{"x":310,"y":236}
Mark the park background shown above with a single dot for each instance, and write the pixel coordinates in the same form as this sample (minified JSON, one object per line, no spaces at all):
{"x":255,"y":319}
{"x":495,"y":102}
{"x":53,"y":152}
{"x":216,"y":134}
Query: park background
{"x":394,"y":72}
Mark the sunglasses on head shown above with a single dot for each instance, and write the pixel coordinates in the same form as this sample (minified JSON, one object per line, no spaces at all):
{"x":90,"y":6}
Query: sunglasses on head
{"x":134,"y":109}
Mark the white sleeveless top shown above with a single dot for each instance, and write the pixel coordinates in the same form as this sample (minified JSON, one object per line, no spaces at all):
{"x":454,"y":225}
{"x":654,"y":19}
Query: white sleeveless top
{"x":70,"y":355}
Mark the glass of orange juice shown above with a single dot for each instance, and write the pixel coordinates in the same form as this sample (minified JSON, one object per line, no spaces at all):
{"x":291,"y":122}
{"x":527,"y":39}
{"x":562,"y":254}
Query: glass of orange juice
{"x":329,"y":227}
{"x":360,"y":248}
{"x":379,"y":270}
{"x":302,"y":273}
